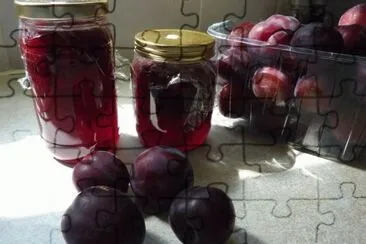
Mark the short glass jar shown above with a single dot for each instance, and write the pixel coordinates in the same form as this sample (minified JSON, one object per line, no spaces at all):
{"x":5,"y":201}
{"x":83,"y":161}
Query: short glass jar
{"x":67,"y":50}
{"x":173,"y":83}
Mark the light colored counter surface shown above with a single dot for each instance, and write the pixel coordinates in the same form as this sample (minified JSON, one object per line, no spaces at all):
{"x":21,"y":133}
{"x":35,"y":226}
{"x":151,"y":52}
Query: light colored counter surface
{"x":280,"y":195}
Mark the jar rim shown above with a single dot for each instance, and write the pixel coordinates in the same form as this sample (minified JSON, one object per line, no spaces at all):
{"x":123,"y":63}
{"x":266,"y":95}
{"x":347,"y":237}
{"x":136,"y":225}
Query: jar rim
{"x":62,"y":11}
{"x":174,"y":45}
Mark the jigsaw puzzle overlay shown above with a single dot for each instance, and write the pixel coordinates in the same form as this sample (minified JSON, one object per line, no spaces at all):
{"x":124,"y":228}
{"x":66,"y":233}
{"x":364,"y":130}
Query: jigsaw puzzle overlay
{"x":285,"y":143}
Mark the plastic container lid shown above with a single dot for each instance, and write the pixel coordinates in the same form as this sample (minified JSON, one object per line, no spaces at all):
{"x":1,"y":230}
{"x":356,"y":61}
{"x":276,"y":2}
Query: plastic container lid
{"x":56,"y":9}
{"x":221,"y":32}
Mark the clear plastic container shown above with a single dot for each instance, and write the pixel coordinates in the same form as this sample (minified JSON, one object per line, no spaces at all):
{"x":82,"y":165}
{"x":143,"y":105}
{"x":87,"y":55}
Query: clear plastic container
{"x":70,"y":65}
{"x":331,"y":123}
{"x":173,"y":83}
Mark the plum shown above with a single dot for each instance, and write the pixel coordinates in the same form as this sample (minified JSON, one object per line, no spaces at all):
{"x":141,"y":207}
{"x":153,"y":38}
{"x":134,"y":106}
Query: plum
{"x":280,"y":37}
{"x":158,"y":175}
{"x":101,"y":168}
{"x":261,"y":31}
{"x":354,"y":37}
{"x":319,"y":37}
{"x":310,"y":95}
{"x":202,"y":215}
{"x":103,"y":215}
{"x":272,"y":84}
{"x":233,"y":65}
{"x":233,"y":100}
{"x":354,"y":15}
{"x":289,"y":23}
{"x":293,"y":65}
{"x":239,"y":32}
{"x":277,"y":29}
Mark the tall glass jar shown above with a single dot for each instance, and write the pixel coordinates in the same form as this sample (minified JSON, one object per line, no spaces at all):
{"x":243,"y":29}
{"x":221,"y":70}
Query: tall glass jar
{"x":173,"y":82}
{"x":67,"y":49}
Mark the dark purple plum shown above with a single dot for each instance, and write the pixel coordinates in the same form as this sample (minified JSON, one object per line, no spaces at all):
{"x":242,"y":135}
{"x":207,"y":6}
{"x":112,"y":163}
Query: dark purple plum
{"x":101,"y":168}
{"x":202,"y":215}
{"x":233,"y":100}
{"x":158,"y":175}
{"x":103,"y":215}
{"x":354,"y":37}
{"x":319,"y":37}
{"x":233,"y":65}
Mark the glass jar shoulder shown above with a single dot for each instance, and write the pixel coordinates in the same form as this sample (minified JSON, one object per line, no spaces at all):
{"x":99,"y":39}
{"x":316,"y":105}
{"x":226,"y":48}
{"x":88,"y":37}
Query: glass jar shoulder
{"x":165,"y":71}
{"x":78,"y":33}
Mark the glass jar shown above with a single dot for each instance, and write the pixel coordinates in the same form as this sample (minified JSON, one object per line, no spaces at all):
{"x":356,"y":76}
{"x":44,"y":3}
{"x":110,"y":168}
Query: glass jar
{"x":173,"y":83}
{"x":69,"y":61}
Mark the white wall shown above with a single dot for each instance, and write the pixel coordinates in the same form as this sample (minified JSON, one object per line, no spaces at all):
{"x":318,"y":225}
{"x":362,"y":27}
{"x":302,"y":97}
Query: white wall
{"x":132,"y":16}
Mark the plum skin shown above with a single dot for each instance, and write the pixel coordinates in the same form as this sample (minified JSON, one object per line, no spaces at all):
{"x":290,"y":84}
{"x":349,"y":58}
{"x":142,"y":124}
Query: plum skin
{"x":275,"y":30}
{"x":272,"y":84}
{"x":234,"y":65}
{"x":103,"y":215}
{"x":354,"y":37}
{"x":310,"y":96}
{"x":202,"y":215}
{"x":319,"y":37}
{"x":354,"y":15}
{"x":158,"y":174}
{"x":101,"y":168}
{"x":268,"y":29}
{"x":233,"y":100}
{"x":240,"y":31}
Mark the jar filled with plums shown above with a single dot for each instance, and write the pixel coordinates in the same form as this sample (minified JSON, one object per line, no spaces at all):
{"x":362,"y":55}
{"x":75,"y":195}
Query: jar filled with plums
{"x":67,"y":50}
{"x":173,"y":83}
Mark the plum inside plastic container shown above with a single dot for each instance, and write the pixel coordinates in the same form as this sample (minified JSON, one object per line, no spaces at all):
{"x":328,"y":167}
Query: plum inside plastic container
{"x":300,"y":85}
{"x":255,"y":83}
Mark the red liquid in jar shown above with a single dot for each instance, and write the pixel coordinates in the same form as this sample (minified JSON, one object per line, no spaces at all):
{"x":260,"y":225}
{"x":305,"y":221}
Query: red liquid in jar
{"x":72,"y":79}
{"x":173,"y":102}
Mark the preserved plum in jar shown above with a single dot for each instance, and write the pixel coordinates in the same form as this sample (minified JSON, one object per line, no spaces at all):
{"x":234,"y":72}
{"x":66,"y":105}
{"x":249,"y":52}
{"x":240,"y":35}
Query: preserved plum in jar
{"x":173,"y":83}
{"x":70,"y":66}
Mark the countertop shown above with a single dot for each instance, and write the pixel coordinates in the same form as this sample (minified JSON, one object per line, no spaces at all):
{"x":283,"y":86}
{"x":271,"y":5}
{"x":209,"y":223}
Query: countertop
{"x":280,"y":195}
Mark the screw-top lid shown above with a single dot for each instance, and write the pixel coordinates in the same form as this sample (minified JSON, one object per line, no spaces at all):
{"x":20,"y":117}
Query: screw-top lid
{"x":57,"y":9}
{"x":175,"y":45}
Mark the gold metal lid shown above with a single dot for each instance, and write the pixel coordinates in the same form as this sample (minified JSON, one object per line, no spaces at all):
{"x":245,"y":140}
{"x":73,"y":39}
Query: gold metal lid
{"x":174,"y":45}
{"x":56,"y":9}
